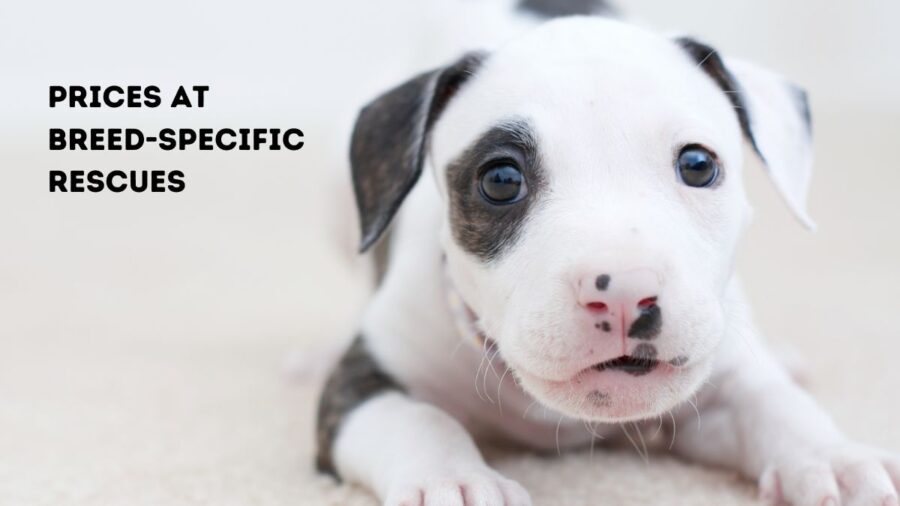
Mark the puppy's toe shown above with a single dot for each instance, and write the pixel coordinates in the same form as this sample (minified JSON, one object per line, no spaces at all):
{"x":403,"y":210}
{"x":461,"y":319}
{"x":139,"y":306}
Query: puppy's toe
{"x":445,"y":494}
{"x":866,"y":482}
{"x":847,"y":475}
{"x":809,"y":483}
{"x":482,"y":492}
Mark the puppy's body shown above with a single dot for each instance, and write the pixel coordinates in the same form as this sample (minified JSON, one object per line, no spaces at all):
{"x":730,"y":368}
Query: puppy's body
{"x":551,"y":277}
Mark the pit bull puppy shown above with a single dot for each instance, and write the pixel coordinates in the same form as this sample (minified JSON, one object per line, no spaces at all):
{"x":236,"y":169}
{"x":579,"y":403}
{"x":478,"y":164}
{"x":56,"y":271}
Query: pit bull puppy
{"x":564,"y":213}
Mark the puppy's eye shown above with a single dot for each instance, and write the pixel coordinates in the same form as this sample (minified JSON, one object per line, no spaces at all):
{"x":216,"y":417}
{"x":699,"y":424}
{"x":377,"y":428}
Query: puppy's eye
{"x":502,"y":184}
{"x":697,"y":167}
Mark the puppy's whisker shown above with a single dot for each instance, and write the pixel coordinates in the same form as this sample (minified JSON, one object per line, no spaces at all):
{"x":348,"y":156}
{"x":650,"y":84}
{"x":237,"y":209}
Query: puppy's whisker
{"x":558,"y":423}
{"x":658,"y":428}
{"x":490,"y":365}
{"x":590,"y":427}
{"x":527,"y":408}
{"x":630,"y":439}
{"x":477,"y":373}
{"x":456,"y":349}
{"x":705,"y":58}
{"x":500,"y":386}
{"x":674,"y":430}
{"x":593,"y":438}
{"x":646,"y":454}
{"x":693,"y":403}
{"x":491,"y":362}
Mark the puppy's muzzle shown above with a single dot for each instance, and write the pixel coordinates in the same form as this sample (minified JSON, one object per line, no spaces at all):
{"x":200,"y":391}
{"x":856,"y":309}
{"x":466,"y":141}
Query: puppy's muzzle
{"x":623,"y":305}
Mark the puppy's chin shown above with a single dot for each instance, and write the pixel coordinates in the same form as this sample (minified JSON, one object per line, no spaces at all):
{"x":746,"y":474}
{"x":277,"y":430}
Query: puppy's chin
{"x":618,"y":390}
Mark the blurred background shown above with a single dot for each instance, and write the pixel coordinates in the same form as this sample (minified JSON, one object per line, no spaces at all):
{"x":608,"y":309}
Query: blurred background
{"x":146,"y":340}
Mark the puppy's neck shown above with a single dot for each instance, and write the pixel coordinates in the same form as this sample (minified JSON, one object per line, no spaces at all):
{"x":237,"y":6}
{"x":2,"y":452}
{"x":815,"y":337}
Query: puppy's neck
{"x":463,"y":316}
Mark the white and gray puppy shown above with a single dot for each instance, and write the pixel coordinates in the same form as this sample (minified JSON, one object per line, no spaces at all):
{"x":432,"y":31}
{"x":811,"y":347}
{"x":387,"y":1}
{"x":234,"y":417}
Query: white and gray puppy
{"x":565,"y":212}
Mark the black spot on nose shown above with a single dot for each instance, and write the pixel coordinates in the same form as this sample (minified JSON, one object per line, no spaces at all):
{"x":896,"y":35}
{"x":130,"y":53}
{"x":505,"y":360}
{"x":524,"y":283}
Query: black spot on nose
{"x":603,"y":282}
{"x":644,"y":351}
{"x":648,"y":324}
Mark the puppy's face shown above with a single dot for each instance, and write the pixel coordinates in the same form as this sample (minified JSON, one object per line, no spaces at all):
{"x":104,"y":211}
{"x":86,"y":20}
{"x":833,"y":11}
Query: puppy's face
{"x":594,"y":199}
{"x":593,"y":195}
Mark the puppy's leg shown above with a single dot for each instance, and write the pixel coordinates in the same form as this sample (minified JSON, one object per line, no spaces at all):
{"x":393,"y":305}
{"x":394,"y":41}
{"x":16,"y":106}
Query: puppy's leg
{"x":408,"y":452}
{"x":759,"y":421}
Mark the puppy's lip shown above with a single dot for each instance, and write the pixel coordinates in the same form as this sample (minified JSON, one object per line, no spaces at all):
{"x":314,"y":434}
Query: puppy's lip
{"x":626,"y":363}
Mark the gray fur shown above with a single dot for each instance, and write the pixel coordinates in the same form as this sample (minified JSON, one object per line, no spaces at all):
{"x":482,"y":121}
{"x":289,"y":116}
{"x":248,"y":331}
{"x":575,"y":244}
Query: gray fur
{"x":481,"y":228}
{"x":389,"y":142}
{"x":354,"y":380}
{"x":558,"y":8}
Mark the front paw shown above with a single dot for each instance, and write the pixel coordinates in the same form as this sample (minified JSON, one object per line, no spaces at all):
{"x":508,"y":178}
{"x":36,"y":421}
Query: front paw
{"x":477,"y":486}
{"x":846,"y":474}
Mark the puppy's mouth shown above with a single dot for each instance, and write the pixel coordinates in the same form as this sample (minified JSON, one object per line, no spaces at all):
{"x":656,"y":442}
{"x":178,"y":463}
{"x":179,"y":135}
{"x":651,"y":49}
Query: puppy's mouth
{"x":631,"y":365}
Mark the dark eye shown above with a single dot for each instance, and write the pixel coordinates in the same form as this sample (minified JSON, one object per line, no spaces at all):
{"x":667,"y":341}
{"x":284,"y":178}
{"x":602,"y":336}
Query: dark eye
{"x":503,"y":183}
{"x":697,"y":167}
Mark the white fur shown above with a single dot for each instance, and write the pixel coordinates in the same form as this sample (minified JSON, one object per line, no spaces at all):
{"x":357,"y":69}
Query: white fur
{"x":610,"y":104}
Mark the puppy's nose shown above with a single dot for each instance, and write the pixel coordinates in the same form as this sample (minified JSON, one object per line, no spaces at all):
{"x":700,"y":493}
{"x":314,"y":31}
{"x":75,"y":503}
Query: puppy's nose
{"x":620,"y":299}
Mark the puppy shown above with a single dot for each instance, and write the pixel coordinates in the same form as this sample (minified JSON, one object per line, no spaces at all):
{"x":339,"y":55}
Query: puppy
{"x":563,"y":215}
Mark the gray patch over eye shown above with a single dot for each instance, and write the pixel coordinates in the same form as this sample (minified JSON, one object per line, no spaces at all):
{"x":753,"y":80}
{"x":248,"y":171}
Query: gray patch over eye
{"x":481,"y":228}
{"x":355,"y":379}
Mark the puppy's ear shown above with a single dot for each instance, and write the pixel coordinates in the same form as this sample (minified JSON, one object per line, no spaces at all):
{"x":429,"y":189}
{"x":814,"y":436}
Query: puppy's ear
{"x":774,"y":115}
{"x":389,"y":142}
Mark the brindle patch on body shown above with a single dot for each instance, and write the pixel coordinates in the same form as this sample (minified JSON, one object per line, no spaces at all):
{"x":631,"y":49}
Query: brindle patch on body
{"x":483,"y":229}
{"x":354,"y":380}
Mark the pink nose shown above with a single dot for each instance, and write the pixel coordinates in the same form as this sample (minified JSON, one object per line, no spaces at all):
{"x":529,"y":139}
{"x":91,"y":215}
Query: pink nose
{"x":624,"y":303}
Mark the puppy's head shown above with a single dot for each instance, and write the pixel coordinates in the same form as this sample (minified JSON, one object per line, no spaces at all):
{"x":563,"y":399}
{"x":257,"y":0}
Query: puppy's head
{"x":592,"y":181}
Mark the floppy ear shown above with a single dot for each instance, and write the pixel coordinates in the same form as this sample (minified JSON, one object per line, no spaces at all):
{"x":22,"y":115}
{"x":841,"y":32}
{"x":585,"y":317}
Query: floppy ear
{"x":774,"y":115}
{"x":389,"y":142}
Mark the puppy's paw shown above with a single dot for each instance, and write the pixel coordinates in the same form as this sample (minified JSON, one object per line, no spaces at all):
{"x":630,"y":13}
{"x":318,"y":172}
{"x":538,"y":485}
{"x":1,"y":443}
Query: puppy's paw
{"x":479,"y":486}
{"x":848,"y":474}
